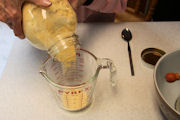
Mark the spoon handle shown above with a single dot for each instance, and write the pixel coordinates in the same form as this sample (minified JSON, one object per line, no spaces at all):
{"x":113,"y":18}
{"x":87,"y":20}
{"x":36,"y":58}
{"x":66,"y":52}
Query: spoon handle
{"x":130,"y":60}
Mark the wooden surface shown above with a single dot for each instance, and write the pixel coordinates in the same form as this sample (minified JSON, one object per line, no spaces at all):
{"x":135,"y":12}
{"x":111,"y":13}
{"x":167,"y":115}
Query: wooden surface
{"x":137,"y":10}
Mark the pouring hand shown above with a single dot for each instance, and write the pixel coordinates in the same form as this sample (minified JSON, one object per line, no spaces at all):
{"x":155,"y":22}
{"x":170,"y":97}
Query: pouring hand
{"x":10,"y":13}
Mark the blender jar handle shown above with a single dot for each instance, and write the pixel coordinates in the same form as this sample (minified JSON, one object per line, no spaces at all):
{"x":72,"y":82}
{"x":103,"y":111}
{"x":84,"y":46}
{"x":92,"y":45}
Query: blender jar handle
{"x":106,"y":63}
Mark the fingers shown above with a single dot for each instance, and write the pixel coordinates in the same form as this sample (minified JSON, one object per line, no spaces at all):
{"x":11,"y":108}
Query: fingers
{"x":12,"y":17}
{"x":2,"y":16}
{"x":44,"y":3}
{"x":17,"y":24}
{"x":14,"y":21}
{"x":18,"y":30}
{"x":10,"y":13}
{"x":2,"y":12}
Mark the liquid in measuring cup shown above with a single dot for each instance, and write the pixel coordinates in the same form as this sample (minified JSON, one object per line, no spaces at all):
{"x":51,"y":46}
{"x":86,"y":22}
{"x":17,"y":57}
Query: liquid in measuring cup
{"x":74,"y":93}
{"x":74,"y":86}
{"x":69,"y":74}
{"x":72,"y":98}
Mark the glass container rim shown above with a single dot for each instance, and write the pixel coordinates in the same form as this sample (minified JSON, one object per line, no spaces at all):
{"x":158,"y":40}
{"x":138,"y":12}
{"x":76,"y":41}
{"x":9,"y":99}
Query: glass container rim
{"x":71,"y":86}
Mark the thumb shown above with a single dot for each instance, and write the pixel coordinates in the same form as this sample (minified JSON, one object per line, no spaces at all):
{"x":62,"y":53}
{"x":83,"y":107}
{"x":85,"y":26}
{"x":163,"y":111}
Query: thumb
{"x":17,"y":27}
{"x":44,"y":3}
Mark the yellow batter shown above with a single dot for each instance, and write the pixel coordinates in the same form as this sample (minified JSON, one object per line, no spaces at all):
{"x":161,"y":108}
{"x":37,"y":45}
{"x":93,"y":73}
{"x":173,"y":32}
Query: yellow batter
{"x":47,"y":28}
{"x":74,"y":99}
{"x":52,"y":29}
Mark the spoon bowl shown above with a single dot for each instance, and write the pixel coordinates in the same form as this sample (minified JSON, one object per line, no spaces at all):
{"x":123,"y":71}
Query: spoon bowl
{"x":126,"y":34}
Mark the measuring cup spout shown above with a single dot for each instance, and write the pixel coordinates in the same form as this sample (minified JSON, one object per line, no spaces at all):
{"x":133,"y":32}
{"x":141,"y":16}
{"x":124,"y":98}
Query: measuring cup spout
{"x":106,"y":63}
{"x":43,"y":73}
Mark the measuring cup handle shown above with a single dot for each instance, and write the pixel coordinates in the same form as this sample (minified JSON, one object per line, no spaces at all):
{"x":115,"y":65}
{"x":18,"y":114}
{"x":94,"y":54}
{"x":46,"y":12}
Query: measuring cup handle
{"x":106,"y":63}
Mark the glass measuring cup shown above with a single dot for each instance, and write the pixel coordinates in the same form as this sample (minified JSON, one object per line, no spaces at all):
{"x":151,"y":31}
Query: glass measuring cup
{"x":74,"y":86}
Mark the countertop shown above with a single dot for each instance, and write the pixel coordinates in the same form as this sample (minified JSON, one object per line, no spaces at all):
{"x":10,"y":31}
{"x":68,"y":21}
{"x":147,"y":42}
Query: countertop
{"x":25,"y":94}
{"x":6,"y":41}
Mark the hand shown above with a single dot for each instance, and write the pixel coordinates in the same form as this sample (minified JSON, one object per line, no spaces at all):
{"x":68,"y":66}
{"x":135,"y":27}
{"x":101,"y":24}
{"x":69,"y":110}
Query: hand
{"x":10,"y":13}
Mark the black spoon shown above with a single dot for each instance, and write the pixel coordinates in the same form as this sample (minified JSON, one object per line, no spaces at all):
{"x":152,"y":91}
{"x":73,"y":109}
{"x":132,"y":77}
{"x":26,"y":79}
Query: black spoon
{"x":127,"y":36}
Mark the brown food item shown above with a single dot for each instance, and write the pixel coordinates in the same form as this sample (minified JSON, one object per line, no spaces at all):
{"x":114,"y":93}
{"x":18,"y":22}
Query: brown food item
{"x":152,"y":58}
{"x":171,"y":77}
